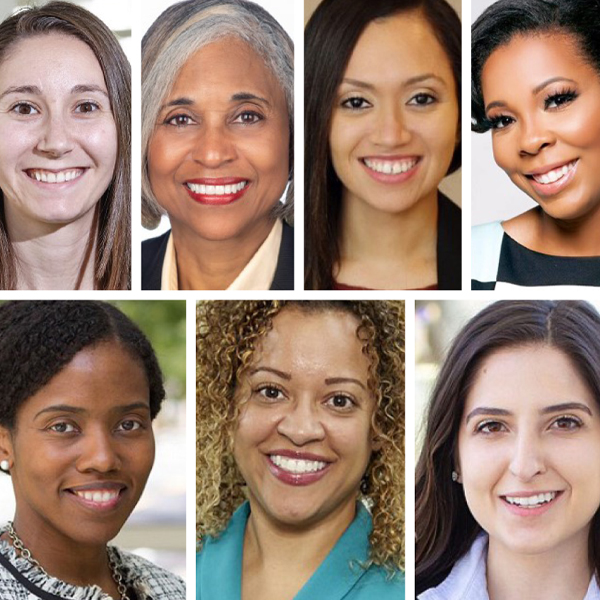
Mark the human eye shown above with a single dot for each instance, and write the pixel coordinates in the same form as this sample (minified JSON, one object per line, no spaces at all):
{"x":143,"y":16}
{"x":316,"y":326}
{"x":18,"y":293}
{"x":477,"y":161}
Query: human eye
{"x":179,"y":120}
{"x":24,"y":109}
{"x":341,"y":402}
{"x":269,"y":392}
{"x":356,"y":103}
{"x":560,"y":99}
{"x":87,"y":107}
{"x":248,"y":117}
{"x":489,"y":427}
{"x":129,"y":425}
{"x":567,"y":423}
{"x":62,"y":427}
{"x":500,"y":121}
{"x":422,"y":99}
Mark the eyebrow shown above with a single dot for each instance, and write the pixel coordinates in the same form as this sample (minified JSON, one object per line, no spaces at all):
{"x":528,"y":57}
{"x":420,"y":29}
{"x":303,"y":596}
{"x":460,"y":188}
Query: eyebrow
{"x":36,"y":91}
{"x":500,"y":412}
{"x":407,"y":82}
{"x":282,"y":374}
{"x":536,"y":90}
{"x":77,"y":410}
{"x":336,"y":380}
{"x":237,"y":97}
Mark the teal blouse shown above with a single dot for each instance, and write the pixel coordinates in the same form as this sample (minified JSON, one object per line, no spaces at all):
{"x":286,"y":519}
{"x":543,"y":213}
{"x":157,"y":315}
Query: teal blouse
{"x":219,"y":566}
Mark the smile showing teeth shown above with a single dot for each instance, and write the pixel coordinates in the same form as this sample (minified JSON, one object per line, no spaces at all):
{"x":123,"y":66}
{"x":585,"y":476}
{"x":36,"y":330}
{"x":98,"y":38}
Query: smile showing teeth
{"x":554,"y":175}
{"x":390,"y":167}
{"x":531,"y":501}
{"x":297,"y":466}
{"x":98,"y":496}
{"x":217,"y":190}
{"x":53,"y":177}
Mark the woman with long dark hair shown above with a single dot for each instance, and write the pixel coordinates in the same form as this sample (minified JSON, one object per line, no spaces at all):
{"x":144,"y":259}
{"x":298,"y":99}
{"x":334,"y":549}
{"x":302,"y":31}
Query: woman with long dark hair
{"x":508,"y":480}
{"x":381,"y":132}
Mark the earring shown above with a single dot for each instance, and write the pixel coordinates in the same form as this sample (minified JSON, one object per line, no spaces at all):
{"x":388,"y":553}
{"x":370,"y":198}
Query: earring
{"x":4,"y":466}
{"x":454,"y":476}
{"x":364,"y":485}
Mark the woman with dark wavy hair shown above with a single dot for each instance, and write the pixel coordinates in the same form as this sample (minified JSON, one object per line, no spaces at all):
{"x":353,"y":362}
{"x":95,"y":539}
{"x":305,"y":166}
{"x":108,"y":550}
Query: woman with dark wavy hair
{"x":81,"y":386}
{"x":382,"y":116}
{"x":65,"y":150}
{"x":508,"y":481}
{"x":536,"y":87}
{"x":300,"y":450}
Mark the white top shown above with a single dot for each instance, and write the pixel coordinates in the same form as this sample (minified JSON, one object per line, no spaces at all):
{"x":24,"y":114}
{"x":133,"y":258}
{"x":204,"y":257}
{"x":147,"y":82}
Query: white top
{"x":256,"y":275}
{"x":467,"y":580}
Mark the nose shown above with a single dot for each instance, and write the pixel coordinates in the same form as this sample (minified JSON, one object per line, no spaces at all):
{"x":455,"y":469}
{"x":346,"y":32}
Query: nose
{"x":528,"y":458}
{"x":535,"y":135}
{"x":56,"y":138}
{"x":301,"y":423}
{"x":391,"y":127}
{"x":214,"y":146}
{"x":98,"y":452}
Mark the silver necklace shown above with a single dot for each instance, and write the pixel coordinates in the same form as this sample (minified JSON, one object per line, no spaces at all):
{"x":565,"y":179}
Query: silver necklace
{"x":26,"y":554}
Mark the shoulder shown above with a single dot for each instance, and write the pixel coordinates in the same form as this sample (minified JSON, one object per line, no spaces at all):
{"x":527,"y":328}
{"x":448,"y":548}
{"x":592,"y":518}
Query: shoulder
{"x":449,"y":244}
{"x":154,"y":581}
{"x":378,"y":583}
{"x":284,"y":273}
{"x":153,"y":255}
{"x":486,"y":243}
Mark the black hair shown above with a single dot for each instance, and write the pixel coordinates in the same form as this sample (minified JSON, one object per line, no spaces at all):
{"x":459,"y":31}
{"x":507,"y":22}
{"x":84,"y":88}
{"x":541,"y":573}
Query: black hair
{"x":505,"y":19}
{"x":330,"y":37}
{"x":39,"y":338}
{"x":445,"y":527}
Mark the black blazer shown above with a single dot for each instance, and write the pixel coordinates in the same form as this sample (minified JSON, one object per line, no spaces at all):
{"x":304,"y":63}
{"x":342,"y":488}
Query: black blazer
{"x":448,"y":244}
{"x":153,"y":255}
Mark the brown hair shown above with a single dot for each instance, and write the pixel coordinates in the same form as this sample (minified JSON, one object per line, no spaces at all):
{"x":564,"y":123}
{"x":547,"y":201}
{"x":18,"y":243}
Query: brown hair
{"x":112,"y":265}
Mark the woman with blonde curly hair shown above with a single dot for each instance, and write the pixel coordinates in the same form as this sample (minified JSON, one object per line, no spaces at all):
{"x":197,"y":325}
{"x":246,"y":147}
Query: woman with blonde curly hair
{"x":300,"y":464}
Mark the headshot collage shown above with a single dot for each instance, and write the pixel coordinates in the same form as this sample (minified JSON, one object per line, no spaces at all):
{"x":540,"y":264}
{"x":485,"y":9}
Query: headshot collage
{"x":277,"y":322}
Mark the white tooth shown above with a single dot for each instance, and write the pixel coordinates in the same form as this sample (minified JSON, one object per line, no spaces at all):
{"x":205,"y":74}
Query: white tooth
{"x":387,"y":168}
{"x":97,"y":496}
{"x":228,"y":189}
{"x":38,"y":175}
{"x":210,"y":189}
{"x":51,"y":177}
{"x":220,"y":189}
{"x":60,"y":177}
{"x":88,"y":495}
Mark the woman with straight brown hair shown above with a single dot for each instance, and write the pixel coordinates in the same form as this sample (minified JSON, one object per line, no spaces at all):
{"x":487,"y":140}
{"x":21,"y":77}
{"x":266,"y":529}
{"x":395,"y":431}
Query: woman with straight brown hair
{"x":65,"y":129}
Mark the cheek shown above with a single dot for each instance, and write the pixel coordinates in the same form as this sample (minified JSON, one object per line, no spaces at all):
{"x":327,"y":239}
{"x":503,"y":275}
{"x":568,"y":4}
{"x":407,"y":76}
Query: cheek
{"x":254,"y":426}
{"x":100,"y":142}
{"x":165,"y":155}
{"x":269,"y":155}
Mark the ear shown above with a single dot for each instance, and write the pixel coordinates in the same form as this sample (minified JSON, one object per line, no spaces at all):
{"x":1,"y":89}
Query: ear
{"x":6,"y":446}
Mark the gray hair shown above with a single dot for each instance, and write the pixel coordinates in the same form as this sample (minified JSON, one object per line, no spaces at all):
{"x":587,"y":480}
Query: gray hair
{"x":177,"y":34}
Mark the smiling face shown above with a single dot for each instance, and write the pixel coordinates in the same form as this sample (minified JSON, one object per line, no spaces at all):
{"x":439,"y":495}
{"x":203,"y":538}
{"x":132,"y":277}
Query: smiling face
{"x":546,"y":134}
{"x":82,"y":449}
{"x":529,"y":451}
{"x":218,"y":160}
{"x":304,"y":437}
{"x":58,"y":139}
{"x":395,"y":118}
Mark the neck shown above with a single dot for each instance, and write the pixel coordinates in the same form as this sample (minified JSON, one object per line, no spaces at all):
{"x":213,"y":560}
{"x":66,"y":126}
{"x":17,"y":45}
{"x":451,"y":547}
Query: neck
{"x":562,"y":573}
{"x":62,"y":558}
{"x":285,"y":557}
{"x":377,"y":242}
{"x":214,"y":264}
{"x":54,"y":257}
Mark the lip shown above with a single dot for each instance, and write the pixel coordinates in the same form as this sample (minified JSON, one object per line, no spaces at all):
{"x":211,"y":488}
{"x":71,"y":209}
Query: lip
{"x":216,"y":199}
{"x":117,"y":491}
{"x":530,"y":512}
{"x":551,"y":189}
{"x":56,"y":185}
{"x":297,"y":479}
{"x":391,"y":178}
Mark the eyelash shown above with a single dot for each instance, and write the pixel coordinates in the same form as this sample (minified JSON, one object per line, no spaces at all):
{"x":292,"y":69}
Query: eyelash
{"x":430,"y":99}
{"x":137,"y":425}
{"x":346,"y":397}
{"x":262,"y":389}
{"x":33,"y":110}
{"x":561,"y":99}
{"x":574,"y":423}
{"x":349,"y":103}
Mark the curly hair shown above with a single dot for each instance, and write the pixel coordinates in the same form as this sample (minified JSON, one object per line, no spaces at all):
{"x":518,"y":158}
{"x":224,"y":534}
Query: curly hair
{"x":39,"y":338}
{"x":228,"y":333}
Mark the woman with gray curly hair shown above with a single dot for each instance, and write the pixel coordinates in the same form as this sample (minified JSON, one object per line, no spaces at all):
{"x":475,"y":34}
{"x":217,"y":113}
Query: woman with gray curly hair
{"x":300,"y":462}
{"x":217,"y":142}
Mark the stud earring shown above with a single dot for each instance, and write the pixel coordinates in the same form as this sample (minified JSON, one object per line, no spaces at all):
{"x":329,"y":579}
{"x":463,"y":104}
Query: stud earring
{"x":4,"y":466}
{"x":454,"y":476}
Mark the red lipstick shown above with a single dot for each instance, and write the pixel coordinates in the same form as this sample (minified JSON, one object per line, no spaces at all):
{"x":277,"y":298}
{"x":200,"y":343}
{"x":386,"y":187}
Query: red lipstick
{"x":213,"y":191}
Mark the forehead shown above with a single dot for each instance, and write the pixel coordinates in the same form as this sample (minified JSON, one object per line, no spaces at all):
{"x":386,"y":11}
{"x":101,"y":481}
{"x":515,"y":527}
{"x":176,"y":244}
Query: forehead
{"x":52,"y":59}
{"x":529,"y":60}
{"x":312,"y":342}
{"x":228,"y":65}
{"x":397,"y":48}
{"x":524,"y":378}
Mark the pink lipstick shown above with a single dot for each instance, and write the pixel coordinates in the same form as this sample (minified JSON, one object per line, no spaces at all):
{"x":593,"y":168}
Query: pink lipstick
{"x":297,"y":468}
{"x":391,"y":169}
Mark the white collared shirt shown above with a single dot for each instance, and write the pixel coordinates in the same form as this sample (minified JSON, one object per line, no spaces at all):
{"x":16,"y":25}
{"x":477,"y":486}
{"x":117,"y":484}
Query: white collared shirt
{"x":468,"y":578}
{"x":258,"y":274}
